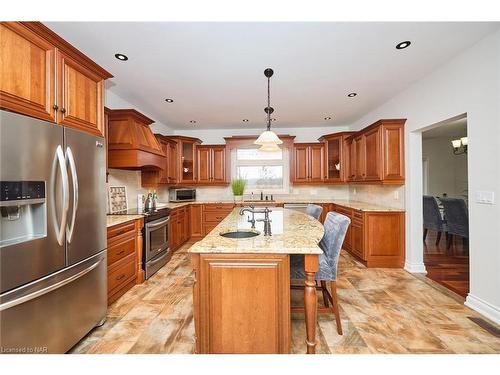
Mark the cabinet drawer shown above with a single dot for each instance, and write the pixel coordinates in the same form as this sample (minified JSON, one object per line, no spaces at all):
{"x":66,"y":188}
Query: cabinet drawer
{"x":122,"y":275}
{"x":344,"y":211}
{"x":214,"y":217}
{"x":226,"y":207}
{"x":120,"y":250}
{"x":117,"y":230}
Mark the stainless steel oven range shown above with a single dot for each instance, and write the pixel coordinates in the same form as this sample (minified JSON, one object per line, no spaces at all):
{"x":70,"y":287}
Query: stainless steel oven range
{"x":156,"y":240}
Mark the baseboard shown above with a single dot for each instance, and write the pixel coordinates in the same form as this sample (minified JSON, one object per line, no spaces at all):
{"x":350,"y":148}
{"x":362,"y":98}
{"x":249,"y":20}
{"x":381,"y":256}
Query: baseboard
{"x":484,"y":308}
{"x":415,"y":267}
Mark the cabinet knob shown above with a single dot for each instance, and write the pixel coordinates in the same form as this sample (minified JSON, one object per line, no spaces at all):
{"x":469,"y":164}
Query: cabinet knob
{"x":55,"y":106}
{"x":63,"y":110}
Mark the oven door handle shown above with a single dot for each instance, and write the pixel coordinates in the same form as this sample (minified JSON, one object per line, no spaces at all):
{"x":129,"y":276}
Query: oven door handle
{"x":150,"y":226}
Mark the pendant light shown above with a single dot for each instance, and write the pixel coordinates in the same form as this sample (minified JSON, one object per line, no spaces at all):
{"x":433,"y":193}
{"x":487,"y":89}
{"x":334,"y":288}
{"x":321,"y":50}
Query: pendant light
{"x":268,"y":140}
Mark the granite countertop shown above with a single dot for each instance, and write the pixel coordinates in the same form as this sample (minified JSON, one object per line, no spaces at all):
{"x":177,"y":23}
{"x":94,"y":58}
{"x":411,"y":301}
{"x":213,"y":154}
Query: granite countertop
{"x":112,"y":220}
{"x":293,"y":232}
{"x":362,"y":206}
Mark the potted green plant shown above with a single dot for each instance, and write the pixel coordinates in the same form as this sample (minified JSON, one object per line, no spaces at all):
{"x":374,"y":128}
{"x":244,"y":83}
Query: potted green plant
{"x":238,"y":188}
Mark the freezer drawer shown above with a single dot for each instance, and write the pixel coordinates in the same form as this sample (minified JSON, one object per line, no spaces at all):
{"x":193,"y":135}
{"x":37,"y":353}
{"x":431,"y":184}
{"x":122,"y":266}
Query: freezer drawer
{"x":52,"y":314}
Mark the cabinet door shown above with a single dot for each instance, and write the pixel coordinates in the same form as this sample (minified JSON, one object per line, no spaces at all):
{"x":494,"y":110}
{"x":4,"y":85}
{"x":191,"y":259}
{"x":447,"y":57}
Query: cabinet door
{"x":357,"y":239}
{"x":393,"y":139}
{"x":351,"y":163}
{"x":187,"y":162}
{"x":196,"y":220}
{"x":81,"y":94}
{"x":333,"y":157}
{"x":359,"y":158}
{"x":316,"y":163}
{"x":164,"y":172}
{"x":300,"y":160}
{"x":204,"y":161}
{"x":27,"y":72}
{"x":172,"y":160}
{"x":219,"y":164}
{"x":373,"y":155}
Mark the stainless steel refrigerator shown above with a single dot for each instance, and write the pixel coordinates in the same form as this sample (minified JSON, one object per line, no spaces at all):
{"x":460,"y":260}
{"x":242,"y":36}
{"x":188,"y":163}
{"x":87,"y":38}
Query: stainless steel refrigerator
{"x":53,"y":283}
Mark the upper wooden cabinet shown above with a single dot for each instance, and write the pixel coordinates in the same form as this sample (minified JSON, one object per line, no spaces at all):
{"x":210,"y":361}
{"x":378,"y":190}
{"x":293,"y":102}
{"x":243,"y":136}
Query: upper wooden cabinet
{"x":376,"y":153}
{"x":131,"y":143}
{"x":308,"y":163}
{"x":211,"y":164}
{"x":43,"y":76}
{"x":336,"y":157}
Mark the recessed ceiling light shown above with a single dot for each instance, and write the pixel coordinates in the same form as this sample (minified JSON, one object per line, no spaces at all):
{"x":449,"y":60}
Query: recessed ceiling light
{"x":352,"y":95}
{"x":245,"y":120}
{"x":328,"y":118}
{"x":121,"y":57}
{"x":169,"y":100}
{"x":192,"y":122}
{"x":403,"y":45}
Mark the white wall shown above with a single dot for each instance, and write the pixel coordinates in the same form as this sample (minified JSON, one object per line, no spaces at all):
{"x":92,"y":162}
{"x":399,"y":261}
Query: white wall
{"x":114,"y":101}
{"x":469,"y":83}
{"x":447,"y":172}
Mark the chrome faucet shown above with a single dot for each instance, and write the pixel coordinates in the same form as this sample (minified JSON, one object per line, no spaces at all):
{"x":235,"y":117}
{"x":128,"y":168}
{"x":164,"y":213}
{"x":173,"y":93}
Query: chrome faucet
{"x":266,"y":220}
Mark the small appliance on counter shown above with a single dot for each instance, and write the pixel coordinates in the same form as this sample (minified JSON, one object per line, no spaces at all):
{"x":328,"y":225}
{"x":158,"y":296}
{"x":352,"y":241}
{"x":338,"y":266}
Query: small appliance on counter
{"x":182,"y":195}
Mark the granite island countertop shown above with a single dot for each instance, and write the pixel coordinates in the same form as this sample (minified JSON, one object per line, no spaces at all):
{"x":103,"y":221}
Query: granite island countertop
{"x":293,"y":232}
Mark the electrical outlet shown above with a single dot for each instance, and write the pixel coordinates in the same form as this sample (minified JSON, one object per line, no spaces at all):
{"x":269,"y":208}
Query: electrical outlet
{"x":396,"y":195}
{"x":354,"y":191}
{"x":485,"y":197}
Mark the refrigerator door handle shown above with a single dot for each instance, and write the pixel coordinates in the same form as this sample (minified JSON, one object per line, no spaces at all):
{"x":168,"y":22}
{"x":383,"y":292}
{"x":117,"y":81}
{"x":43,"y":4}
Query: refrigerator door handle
{"x":48,"y":289}
{"x":74,"y":177}
{"x":59,"y":159}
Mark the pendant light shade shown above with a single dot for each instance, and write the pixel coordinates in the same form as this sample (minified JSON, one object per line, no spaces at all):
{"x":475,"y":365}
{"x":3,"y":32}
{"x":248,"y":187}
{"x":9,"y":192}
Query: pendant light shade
{"x":268,"y":140}
{"x":268,"y":137}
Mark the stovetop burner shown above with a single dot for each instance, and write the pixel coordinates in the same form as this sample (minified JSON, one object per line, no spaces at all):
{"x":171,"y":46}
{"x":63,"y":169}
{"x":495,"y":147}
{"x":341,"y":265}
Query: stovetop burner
{"x":149,"y":215}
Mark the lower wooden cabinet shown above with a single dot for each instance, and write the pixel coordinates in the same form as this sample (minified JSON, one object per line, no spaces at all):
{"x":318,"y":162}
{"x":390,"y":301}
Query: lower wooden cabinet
{"x":230,"y":316}
{"x":124,"y":258}
{"x":179,"y":227}
{"x":213,"y":214}
{"x":375,"y":237}
{"x":196,"y":221}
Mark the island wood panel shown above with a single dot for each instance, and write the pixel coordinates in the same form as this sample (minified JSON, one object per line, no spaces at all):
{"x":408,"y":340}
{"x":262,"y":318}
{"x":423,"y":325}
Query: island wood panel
{"x":242,"y":303}
{"x":27,"y":72}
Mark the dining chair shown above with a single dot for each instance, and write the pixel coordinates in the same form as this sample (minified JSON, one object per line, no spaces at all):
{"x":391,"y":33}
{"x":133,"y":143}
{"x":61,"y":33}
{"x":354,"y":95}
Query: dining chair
{"x":457,"y":219}
{"x":314,"y":210}
{"x":432,"y":218}
{"x":335,"y":230}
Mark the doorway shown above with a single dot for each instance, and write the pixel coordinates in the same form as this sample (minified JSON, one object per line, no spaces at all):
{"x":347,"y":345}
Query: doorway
{"x":445,"y":204}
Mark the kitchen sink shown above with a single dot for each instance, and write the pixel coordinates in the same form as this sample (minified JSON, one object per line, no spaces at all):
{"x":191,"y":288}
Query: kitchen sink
{"x":240,"y":234}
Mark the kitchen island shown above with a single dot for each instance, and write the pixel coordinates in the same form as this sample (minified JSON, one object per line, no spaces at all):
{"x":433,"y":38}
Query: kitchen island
{"x":241,"y":293}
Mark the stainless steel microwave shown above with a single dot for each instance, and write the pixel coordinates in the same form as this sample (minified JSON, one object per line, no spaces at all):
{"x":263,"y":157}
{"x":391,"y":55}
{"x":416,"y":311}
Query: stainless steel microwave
{"x":182,"y":195}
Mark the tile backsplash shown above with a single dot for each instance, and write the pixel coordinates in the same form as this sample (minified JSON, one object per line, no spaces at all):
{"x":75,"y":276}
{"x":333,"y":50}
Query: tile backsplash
{"x":391,"y":196}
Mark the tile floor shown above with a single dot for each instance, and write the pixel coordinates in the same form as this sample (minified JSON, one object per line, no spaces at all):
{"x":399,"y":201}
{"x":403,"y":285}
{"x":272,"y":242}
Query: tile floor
{"x":382,"y":310}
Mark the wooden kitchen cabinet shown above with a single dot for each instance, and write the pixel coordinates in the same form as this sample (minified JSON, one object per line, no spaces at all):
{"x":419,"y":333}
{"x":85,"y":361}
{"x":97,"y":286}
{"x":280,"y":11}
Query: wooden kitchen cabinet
{"x":213,"y":214}
{"x":196,"y":221}
{"x":376,"y":153}
{"x":27,"y":72}
{"x":179,"y":227}
{"x":45,"y":77}
{"x":261,"y":322}
{"x":80,"y":96}
{"x":124,"y":257}
{"x":308,"y":163}
{"x":336,"y":157}
{"x":211,"y":164}
{"x":377,"y":238}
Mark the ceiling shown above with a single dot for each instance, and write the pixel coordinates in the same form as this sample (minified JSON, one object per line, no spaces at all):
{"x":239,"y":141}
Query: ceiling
{"x":452,"y":129}
{"x":214,"y":71}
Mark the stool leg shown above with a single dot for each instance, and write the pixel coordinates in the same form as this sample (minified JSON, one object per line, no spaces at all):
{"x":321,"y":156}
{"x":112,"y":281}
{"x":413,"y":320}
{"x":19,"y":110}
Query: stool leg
{"x":335,"y":307}
{"x":324,"y":290}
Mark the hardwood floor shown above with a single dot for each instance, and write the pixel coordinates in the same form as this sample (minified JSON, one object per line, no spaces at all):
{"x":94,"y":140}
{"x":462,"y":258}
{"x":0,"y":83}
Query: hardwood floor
{"x":382,"y":311}
{"x":449,"y":268}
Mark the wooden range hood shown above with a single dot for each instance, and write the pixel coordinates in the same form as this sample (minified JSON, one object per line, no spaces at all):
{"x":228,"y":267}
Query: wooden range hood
{"x":131,"y":143}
